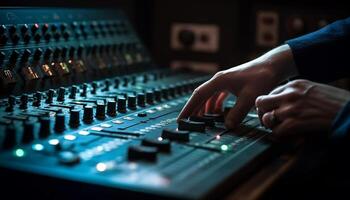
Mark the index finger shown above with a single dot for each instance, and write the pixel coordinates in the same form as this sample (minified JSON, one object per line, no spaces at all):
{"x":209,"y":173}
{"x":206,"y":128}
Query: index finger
{"x":199,"y":96}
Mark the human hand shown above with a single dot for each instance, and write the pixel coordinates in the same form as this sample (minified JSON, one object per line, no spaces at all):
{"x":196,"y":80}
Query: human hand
{"x":301,"y":106}
{"x":246,"y":82}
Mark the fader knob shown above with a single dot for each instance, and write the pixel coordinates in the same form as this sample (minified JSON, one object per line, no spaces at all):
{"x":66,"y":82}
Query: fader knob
{"x":121,"y":105}
{"x":50,"y":95}
{"x":132,"y":102}
{"x":158,"y":95}
{"x":88,"y":115}
{"x":45,"y":127}
{"x":112,"y":108}
{"x":61,"y":94}
{"x":24,"y":101}
{"x":142,"y":153}
{"x":177,"y":135}
{"x":191,"y":125}
{"x":73,"y":92}
{"x":162,"y":145}
{"x":141,"y":99}
{"x":74,"y":118}
{"x":150,"y":97}
{"x":60,"y":122}
{"x":101,"y":110}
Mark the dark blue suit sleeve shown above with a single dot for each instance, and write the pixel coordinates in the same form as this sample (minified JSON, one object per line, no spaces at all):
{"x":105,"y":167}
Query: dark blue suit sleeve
{"x":323,"y":55}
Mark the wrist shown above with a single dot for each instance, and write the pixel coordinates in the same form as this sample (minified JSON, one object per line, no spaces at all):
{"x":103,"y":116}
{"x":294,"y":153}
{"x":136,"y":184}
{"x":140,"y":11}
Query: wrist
{"x":280,"y":63}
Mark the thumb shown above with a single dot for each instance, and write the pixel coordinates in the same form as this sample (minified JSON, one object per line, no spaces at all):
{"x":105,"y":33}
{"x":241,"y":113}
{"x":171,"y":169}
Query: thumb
{"x":238,"y":112}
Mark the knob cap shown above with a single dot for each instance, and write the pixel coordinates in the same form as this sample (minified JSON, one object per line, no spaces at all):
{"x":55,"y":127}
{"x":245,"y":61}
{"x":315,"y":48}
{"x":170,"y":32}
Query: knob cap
{"x":132,"y":102}
{"x":112,"y":108}
{"x":158,"y":95}
{"x":150,"y":97}
{"x":142,"y":153}
{"x":101,"y":110}
{"x":74,"y":118}
{"x":121,"y":105}
{"x":73,"y":92}
{"x":141,"y":99}
{"x":24,"y":101}
{"x":181,"y":136}
{"x":88,"y":115}
{"x":50,"y":95}
{"x":60,"y":122}
{"x":162,"y":145}
{"x":45,"y":127}
{"x":188,"y":125}
{"x":61,"y":94}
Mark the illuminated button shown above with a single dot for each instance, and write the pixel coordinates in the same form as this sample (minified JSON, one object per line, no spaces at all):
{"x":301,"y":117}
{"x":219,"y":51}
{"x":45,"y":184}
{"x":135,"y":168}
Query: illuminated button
{"x":68,"y":158}
{"x":128,"y":118}
{"x":96,"y":128}
{"x":105,"y":125}
{"x":101,"y":167}
{"x":70,"y":137}
{"x":117,"y":121}
{"x":54,"y":142}
{"x":19,"y":153}
{"x":37,"y":147}
{"x":84,"y":133}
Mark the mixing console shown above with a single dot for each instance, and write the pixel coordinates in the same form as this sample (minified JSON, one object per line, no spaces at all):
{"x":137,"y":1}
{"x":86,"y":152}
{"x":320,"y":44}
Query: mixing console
{"x":83,"y":105}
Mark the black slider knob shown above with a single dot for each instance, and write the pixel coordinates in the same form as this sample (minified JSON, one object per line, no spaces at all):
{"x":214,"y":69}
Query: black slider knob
{"x":149,"y":97}
{"x":50,"y":95}
{"x":158,"y":95}
{"x":188,"y":125}
{"x":116,"y":83}
{"x":94,"y":88}
{"x":60,"y":122}
{"x":61,"y":94}
{"x":10,"y":139}
{"x":14,"y":56}
{"x":162,"y":145}
{"x":74,"y":118}
{"x":37,"y":54}
{"x":107,"y":84}
{"x":121,"y":105}
{"x":142,"y":153}
{"x":28,"y":132}
{"x":141,"y":100}
{"x":132,"y":102}
{"x":11,"y":103}
{"x":84,"y":90}
{"x":26,"y":55}
{"x":88,"y":115}
{"x":24,"y":101}
{"x":112,"y":108}
{"x":45,"y":127}
{"x":181,"y":136}
{"x":73,"y":92}
{"x":101,"y":110}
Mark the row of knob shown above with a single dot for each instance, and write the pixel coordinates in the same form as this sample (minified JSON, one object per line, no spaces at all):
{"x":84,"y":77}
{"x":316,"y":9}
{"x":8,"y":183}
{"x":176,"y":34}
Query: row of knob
{"x":69,"y":51}
{"x":58,"y":31}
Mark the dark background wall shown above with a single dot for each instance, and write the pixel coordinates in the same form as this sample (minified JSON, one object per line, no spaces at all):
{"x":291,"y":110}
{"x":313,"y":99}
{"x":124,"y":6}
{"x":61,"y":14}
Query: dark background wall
{"x":204,"y":34}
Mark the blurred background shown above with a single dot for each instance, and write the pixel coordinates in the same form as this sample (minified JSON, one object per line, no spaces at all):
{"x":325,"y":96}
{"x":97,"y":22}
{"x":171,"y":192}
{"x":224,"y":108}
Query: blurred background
{"x":209,"y":35}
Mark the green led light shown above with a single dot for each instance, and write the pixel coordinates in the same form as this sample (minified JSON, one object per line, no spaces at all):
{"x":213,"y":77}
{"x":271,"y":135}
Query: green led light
{"x":19,"y":152}
{"x":224,"y":147}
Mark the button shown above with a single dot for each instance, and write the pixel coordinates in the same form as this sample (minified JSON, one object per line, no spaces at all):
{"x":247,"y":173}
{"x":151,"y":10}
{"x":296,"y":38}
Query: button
{"x":60,"y":122}
{"x":177,"y":135}
{"x":68,"y":158}
{"x":132,"y":102}
{"x":207,"y":120}
{"x":88,"y":115}
{"x":74,"y":118}
{"x":191,"y":126}
{"x":142,"y":153}
{"x":45,"y":127}
{"x":111,"y":108}
{"x":101,"y":110}
{"x":121,"y":105}
{"x":28,"y":132}
{"x":162,"y":145}
{"x":61,"y":94}
{"x":10,"y":137}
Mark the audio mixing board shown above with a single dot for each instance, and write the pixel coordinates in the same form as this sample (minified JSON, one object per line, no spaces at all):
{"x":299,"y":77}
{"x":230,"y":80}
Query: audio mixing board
{"x":85,"y":112}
